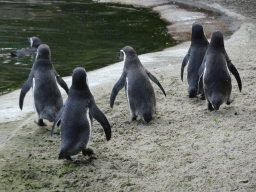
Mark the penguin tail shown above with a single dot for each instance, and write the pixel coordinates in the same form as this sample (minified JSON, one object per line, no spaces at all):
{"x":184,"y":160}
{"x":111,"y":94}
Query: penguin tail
{"x":64,"y":155}
{"x":148,"y":116}
{"x":192,"y":92}
{"x":217,"y":101}
{"x":216,"y":107}
{"x":48,"y":114}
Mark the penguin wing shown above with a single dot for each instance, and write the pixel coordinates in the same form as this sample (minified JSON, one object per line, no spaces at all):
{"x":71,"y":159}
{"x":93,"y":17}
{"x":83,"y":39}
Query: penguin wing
{"x":234,"y":71}
{"x":61,"y":82}
{"x":101,"y":118}
{"x":154,"y":79}
{"x":25,"y":88}
{"x":118,"y":86}
{"x":184,"y":63}
{"x":58,"y":119}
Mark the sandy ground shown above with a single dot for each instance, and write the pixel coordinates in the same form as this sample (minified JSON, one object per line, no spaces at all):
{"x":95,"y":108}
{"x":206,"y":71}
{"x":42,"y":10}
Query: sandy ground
{"x":184,"y":148}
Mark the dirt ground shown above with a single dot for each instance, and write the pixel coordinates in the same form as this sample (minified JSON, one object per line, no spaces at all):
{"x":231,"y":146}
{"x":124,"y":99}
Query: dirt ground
{"x":184,"y":148}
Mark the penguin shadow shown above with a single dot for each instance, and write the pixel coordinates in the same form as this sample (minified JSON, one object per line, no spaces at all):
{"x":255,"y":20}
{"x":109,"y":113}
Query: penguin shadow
{"x":140,"y":121}
{"x":197,"y":101}
{"x":43,"y":129}
{"x":80,"y":160}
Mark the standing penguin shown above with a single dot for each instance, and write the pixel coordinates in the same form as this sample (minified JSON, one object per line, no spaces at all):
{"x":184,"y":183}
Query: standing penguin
{"x":216,"y":68}
{"x":43,"y":79}
{"x":75,"y":117}
{"x":194,"y":59}
{"x":34,"y":44}
{"x":139,"y":91}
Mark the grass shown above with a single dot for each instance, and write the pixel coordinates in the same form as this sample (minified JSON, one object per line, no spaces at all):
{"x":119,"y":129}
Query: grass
{"x":217,"y":121}
{"x":128,"y":183}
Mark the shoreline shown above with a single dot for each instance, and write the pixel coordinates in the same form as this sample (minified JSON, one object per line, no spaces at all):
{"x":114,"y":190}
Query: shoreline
{"x":111,"y":73}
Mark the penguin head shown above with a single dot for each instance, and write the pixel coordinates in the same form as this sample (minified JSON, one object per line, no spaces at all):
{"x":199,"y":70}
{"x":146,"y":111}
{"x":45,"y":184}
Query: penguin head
{"x":43,"y":52}
{"x":197,"y":31}
{"x":79,"y":78}
{"x":217,"y":40}
{"x":34,"y":42}
{"x":130,"y":57}
{"x":127,"y":51}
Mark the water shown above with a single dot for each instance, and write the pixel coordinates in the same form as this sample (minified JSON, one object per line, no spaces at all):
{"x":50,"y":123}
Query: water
{"x":84,"y":34}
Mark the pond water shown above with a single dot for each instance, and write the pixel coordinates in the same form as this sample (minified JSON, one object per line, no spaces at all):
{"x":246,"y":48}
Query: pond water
{"x":85,"y":34}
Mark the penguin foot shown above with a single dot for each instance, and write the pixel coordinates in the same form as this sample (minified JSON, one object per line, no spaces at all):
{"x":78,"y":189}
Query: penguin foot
{"x":134,"y":118}
{"x":40,"y":122}
{"x":202,"y":97}
{"x":210,"y":108}
{"x":88,"y":152}
{"x":229,"y":102}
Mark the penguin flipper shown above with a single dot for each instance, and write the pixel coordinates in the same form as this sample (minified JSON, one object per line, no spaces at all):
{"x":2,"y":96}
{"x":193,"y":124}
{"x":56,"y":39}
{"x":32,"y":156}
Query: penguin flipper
{"x":101,"y":118}
{"x":118,"y":86}
{"x":184,"y":63}
{"x":25,"y":88}
{"x":154,"y":79}
{"x":234,"y":71}
{"x":62,"y":83}
{"x":58,"y":119}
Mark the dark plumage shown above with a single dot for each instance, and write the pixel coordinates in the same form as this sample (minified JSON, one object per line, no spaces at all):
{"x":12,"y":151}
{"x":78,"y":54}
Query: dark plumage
{"x":216,"y":68}
{"x":139,"y":91}
{"x":194,"y":59}
{"x":75,"y":117}
{"x":43,"y":79}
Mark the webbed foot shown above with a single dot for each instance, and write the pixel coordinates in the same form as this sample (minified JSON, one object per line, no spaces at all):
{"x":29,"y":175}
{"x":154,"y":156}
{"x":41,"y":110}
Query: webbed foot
{"x":40,"y":122}
{"x":210,"y":108}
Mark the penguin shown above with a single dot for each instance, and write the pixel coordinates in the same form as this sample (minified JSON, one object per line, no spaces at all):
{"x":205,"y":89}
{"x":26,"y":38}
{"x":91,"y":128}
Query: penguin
{"x":194,"y":59}
{"x":215,"y":71}
{"x":34,"y":43}
{"x":75,"y":117}
{"x":43,"y":79}
{"x":139,"y":91}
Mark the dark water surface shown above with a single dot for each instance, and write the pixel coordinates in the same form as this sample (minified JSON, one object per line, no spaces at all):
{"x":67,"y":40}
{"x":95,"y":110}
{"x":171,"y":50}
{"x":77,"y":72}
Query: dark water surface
{"x":83,"y":34}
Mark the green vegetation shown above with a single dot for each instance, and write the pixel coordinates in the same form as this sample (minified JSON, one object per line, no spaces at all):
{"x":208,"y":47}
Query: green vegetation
{"x":128,"y":183}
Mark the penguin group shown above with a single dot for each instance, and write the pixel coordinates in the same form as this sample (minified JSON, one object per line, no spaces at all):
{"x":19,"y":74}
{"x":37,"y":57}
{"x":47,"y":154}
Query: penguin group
{"x":209,"y":67}
{"x":208,"y":74}
{"x":76,"y":114}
